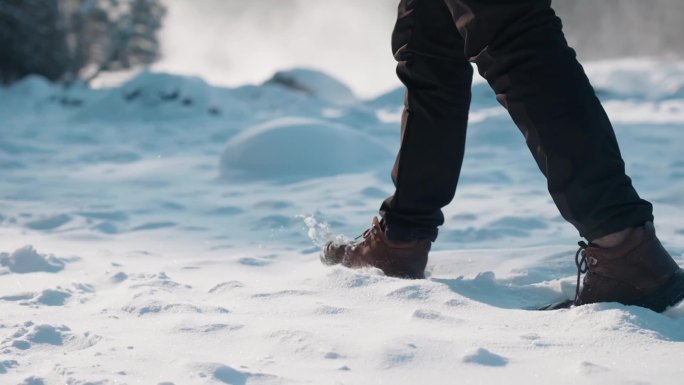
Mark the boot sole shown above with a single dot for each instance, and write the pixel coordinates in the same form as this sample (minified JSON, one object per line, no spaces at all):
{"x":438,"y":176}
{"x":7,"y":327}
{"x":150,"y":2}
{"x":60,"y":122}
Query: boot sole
{"x":669,"y":295}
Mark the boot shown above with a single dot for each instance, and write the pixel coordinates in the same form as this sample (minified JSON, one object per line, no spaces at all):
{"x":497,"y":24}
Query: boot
{"x":394,"y":258}
{"x":638,"y":271}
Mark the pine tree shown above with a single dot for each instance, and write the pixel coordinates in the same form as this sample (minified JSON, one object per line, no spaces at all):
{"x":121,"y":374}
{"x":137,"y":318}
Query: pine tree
{"x":71,"y":39}
{"x":32,"y":38}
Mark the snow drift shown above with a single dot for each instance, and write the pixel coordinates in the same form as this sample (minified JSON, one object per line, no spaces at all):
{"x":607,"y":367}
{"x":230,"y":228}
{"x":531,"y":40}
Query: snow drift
{"x":294,"y":149}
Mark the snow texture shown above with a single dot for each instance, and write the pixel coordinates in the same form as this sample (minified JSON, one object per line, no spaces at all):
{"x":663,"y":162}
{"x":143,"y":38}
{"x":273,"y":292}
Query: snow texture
{"x":175,"y":230}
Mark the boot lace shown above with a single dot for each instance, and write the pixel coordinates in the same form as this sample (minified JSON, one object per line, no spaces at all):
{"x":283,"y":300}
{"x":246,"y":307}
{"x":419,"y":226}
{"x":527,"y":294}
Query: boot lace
{"x":366,"y":235}
{"x":582,"y":267}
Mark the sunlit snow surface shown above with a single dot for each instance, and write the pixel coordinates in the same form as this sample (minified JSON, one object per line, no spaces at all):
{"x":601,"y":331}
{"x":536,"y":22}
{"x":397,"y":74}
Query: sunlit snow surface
{"x":167,"y":232}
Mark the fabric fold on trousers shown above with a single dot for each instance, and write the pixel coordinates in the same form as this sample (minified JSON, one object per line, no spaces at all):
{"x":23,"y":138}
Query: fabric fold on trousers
{"x":520,"y":49}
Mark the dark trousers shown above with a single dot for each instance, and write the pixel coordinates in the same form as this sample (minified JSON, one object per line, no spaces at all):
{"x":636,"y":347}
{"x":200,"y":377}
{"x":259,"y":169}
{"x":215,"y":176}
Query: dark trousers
{"x":519,"y":48}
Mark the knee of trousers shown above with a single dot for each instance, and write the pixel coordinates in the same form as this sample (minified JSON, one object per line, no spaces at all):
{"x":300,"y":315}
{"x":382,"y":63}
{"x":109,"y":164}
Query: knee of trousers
{"x":496,"y":28}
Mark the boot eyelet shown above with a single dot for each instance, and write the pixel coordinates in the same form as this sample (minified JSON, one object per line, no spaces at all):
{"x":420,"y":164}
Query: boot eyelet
{"x":593,"y":261}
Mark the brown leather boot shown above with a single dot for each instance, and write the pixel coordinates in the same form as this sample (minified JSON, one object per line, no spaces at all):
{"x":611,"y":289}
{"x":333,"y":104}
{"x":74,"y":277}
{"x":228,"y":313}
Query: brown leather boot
{"x":395,"y":259}
{"x":638,"y":271}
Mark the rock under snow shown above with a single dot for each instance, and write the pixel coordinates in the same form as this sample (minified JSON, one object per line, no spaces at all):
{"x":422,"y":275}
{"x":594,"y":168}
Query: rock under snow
{"x":314,"y":83}
{"x":154,"y":96}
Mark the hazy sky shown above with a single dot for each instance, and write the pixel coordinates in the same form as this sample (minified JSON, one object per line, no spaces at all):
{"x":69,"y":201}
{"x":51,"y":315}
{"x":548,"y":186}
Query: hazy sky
{"x":233,"y":42}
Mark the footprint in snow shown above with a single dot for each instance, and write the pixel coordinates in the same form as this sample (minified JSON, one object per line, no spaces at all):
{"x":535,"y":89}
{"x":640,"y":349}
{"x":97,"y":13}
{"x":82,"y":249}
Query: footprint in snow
{"x":232,"y":376}
{"x":272,"y":205}
{"x":149,"y":284}
{"x":431,"y":315}
{"x":154,"y":226}
{"x":399,"y":355}
{"x":589,"y":368}
{"x":413,"y":292}
{"x":333,"y":356}
{"x":51,"y":297}
{"x":160,"y":281}
{"x":118,"y":277}
{"x":274,"y":222}
{"x":455,"y":303}
{"x":209,"y":328}
{"x":329,"y":310}
{"x":157,"y":307}
{"x":30,"y":334}
{"x":346,"y":278}
{"x":47,"y":297}
{"x":297,"y":341}
{"x":27,"y":260}
{"x":226,"y":286}
{"x":33,"y":381}
{"x":283,"y":293}
{"x":254,"y":262}
{"x":48,"y":334}
{"x":49,"y":223}
{"x":7,"y":364}
{"x":485,"y":358}
{"x":115,"y":216}
{"x":106,"y":228}
{"x":225,"y":211}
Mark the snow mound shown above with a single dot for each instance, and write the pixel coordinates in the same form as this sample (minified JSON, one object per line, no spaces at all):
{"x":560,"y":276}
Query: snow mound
{"x":314,"y":83}
{"x":155,"y":96}
{"x":636,"y":78}
{"x":31,"y":94}
{"x":391,"y":99}
{"x":295,"y":149}
{"x":32,"y":87}
{"x":27,"y":260}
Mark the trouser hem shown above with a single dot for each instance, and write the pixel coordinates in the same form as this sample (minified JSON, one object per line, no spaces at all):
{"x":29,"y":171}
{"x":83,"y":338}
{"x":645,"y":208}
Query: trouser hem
{"x":619,"y":223}
{"x":395,"y":230}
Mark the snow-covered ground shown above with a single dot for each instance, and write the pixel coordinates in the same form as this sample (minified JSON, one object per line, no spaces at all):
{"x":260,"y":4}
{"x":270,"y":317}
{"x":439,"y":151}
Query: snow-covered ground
{"x":167,"y":232}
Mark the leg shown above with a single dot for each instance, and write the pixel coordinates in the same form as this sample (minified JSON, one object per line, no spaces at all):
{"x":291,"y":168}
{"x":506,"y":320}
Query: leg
{"x":521,"y":51}
{"x":437,"y":76}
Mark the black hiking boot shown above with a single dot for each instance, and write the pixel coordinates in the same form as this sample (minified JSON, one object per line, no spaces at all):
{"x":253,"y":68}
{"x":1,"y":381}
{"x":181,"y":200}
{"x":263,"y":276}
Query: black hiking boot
{"x":638,"y":271}
{"x":394,"y":258}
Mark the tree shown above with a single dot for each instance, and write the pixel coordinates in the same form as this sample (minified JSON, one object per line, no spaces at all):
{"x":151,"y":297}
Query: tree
{"x":32,"y":40}
{"x":77,"y":39}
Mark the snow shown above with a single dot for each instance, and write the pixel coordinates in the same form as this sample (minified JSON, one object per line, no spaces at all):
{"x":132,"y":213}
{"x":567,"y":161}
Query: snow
{"x":27,"y":260}
{"x":148,"y":240}
{"x":295,"y":148}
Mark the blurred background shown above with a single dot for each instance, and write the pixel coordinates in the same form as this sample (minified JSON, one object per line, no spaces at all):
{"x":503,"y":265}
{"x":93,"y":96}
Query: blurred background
{"x":149,"y":217}
{"x":233,"y":42}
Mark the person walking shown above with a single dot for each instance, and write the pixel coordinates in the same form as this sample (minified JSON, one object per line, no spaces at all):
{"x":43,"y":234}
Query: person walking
{"x":520,"y":49}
